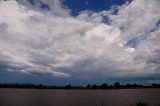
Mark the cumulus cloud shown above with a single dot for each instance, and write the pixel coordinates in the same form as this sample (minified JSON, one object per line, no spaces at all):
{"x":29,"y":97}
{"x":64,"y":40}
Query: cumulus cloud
{"x":35,"y":40}
{"x":54,"y":6}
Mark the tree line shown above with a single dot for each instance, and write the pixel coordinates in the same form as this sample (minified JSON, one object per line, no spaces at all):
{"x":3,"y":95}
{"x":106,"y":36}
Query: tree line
{"x":116,"y":85}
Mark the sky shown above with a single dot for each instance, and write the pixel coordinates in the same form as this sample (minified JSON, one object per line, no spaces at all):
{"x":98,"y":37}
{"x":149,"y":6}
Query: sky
{"x":59,"y":42}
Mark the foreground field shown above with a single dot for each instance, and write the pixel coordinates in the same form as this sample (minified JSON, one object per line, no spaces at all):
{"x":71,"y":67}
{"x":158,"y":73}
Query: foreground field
{"x":46,"y":97}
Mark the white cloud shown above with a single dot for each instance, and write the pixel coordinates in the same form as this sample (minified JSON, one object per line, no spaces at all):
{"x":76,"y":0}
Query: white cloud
{"x":137,"y":18}
{"x":54,"y":6}
{"x":35,"y":41}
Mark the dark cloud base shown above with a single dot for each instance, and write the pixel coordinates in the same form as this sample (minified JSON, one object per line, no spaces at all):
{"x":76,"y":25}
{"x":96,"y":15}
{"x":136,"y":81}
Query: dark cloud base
{"x":18,"y":77}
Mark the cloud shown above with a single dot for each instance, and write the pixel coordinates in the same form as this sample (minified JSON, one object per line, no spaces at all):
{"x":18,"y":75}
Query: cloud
{"x":46,"y":6}
{"x":35,"y":40}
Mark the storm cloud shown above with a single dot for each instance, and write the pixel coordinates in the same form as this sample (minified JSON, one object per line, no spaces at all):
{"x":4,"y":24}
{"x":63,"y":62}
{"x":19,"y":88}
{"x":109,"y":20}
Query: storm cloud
{"x":42,"y":37}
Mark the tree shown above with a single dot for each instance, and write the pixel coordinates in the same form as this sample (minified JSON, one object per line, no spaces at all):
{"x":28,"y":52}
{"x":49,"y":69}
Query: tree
{"x":40,"y":86}
{"x":94,"y":86}
{"x":68,"y":86}
{"x":88,"y":86}
{"x":104,"y":86}
{"x":116,"y":85}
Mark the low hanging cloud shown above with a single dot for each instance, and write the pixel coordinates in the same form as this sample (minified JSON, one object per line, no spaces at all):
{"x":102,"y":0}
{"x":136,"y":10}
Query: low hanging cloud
{"x":42,"y":37}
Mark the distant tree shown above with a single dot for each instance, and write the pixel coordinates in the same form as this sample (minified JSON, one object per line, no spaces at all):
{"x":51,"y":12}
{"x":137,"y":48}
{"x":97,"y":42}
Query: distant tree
{"x":94,"y":86}
{"x":110,"y":87}
{"x":116,"y":85}
{"x":104,"y":86}
{"x":68,"y":86}
{"x":88,"y":86}
{"x":156,"y":85}
{"x":40,"y":86}
{"x":127,"y":86}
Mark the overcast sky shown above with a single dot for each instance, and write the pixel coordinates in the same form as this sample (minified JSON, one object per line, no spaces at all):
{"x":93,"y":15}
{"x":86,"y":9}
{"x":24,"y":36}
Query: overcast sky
{"x":63,"y":42}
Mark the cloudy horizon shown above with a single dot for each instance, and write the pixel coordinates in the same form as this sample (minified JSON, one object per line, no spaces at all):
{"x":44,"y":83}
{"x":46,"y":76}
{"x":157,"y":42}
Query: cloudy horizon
{"x":59,"y":42}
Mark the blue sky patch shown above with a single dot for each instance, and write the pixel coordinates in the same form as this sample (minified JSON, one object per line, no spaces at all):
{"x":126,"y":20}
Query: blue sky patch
{"x":31,"y":2}
{"x":93,"y":5}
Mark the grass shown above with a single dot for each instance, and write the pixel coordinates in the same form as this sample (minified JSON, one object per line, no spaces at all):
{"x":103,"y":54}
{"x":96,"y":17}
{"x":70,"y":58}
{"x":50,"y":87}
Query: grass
{"x":139,"y":104}
{"x":133,"y":104}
